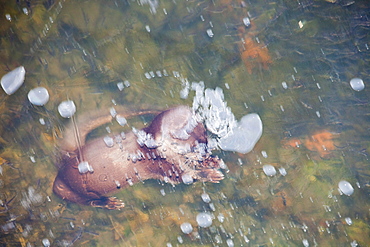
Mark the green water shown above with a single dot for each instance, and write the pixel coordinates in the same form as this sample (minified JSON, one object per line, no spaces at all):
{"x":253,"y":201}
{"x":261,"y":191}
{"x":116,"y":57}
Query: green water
{"x":80,"y":50}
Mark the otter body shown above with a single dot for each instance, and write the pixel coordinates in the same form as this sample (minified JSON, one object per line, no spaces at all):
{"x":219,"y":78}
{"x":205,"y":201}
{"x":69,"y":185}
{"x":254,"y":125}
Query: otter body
{"x":172,"y":148}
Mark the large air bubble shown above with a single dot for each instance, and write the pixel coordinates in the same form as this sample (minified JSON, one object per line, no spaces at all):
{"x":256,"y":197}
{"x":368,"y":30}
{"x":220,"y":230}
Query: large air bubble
{"x":244,"y":136}
{"x":38,"y":96}
{"x":67,"y":109}
{"x":204,"y":219}
{"x":186,"y":227}
{"x":357,"y":84}
{"x":11,"y":81}
{"x":346,"y":187}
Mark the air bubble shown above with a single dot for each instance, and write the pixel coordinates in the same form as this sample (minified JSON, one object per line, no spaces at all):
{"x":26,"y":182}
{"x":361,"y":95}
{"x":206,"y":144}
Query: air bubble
{"x":186,"y":227}
{"x":67,"y":109}
{"x":187,"y":179}
{"x":269,"y":170}
{"x":204,"y":219}
{"x":357,"y":84}
{"x":346,"y":187}
{"x":11,"y":81}
{"x":38,"y":96}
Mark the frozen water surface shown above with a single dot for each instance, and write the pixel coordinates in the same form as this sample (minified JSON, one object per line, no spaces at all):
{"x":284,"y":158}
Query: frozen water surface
{"x":12,"y":80}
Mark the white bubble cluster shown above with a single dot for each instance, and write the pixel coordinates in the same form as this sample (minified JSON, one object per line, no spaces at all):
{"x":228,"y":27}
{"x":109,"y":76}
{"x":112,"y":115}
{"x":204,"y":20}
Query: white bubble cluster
{"x":84,"y":167}
{"x":146,"y":139}
{"x":210,"y":108}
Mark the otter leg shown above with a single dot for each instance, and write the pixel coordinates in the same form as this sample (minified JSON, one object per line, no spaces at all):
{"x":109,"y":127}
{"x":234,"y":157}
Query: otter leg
{"x":107,"y":202}
{"x":208,"y":175}
{"x":65,"y":192}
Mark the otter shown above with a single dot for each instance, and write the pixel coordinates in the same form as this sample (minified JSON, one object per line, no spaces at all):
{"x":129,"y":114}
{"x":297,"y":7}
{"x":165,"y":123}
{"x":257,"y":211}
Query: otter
{"x":173,"y":148}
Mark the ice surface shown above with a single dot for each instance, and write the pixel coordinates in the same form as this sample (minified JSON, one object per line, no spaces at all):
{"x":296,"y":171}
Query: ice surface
{"x":67,"y":108}
{"x":11,"y":81}
{"x":186,"y":227}
{"x":269,"y":170}
{"x":204,"y":219}
{"x":243,"y":137}
{"x":357,"y":84}
{"x":38,"y":96}
{"x":346,"y":187}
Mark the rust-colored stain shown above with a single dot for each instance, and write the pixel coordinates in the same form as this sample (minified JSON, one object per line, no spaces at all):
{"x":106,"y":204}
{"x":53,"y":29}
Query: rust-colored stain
{"x":252,"y":53}
{"x":321,"y":142}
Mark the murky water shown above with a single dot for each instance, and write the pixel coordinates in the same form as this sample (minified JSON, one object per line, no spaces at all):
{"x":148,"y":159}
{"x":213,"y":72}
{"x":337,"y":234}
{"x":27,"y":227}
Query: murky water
{"x":292,"y":65}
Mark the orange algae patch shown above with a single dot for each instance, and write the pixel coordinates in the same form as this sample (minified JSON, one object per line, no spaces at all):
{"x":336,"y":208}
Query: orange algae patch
{"x":321,"y":142}
{"x":253,"y":54}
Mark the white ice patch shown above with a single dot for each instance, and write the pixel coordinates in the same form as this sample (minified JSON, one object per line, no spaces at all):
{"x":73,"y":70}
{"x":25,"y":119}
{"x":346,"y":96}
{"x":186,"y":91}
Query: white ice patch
{"x":210,"y":107}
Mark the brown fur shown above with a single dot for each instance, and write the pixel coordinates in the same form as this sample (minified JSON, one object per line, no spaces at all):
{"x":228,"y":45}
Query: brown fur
{"x":127,"y":162}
